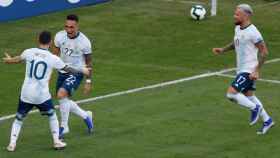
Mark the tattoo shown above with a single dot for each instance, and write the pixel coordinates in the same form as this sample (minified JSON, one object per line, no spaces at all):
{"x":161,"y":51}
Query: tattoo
{"x":261,"y":61}
{"x":56,"y":50}
{"x":229,"y":47}
{"x":88,"y":62}
{"x":263,"y":53}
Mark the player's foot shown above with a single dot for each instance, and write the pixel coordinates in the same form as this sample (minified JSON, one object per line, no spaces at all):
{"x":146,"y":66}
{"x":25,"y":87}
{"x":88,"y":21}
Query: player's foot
{"x":11,"y":147}
{"x":63,"y":131}
{"x":266,"y":126}
{"x":59,"y":145}
{"x":255,"y":113}
{"x":89,"y":122}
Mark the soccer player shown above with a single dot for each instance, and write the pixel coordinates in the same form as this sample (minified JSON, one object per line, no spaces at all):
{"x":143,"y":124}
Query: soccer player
{"x":74,"y":48}
{"x":35,"y":89}
{"x":248,"y":41}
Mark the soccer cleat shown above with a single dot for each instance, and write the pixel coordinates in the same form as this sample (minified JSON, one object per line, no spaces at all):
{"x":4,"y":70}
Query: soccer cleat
{"x":11,"y":147}
{"x":255,"y":113}
{"x":89,"y":122}
{"x":266,"y":126}
{"x":59,"y":145}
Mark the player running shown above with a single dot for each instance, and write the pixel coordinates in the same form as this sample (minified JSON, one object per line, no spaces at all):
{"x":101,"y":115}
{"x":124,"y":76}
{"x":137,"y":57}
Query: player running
{"x":35,"y":89}
{"x":248,"y":41}
{"x":74,"y":48}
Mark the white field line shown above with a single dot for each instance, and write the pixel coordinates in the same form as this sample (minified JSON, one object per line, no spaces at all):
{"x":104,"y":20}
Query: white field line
{"x":136,"y":90}
{"x":261,"y":79}
{"x":164,"y":84}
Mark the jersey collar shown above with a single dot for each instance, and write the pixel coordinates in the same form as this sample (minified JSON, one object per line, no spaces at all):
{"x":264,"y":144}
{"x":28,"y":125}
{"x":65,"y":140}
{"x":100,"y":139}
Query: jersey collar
{"x":43,"y":48}
{"x":245,"y":27}
{"x":74,"y":36}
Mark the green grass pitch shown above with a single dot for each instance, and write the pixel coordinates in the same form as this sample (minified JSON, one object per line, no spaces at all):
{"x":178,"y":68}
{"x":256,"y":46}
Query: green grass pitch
{"x":145,"y":42}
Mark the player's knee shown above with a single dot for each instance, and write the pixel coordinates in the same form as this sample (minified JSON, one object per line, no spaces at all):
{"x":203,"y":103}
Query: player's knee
{"x":20,"y":116}
{"x":48,"y":113}
{"x":231,"y":97}
{"x":62,"y":93}
{"x":53,"y":116}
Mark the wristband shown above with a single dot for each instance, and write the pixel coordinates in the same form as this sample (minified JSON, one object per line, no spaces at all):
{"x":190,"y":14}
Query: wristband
{"x":88,"y":80}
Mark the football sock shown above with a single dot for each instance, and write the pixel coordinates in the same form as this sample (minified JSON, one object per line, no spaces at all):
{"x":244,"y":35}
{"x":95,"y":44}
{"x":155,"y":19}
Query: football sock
{"x":77,"y":110}
{"x":54,"y":127}
{"x":16,"y":127}
{"x":64,"y":111}
{"x":263,"y":114}
{"x":241,"y":99}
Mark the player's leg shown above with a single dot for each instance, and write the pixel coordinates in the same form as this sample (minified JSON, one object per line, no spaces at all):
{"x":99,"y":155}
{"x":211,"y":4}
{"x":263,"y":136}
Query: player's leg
{"x":75,"y":108}
{"x":23,"y":109}
{"x":264,"y":115}
{"x":240,"y":98}
{"x":86,"y":115}
{"x":64,"y":105}
{"x":47,"y":109}
{"x":235,"y":93}
{"x":267,"y":120}
{"x":64,"y":110}
{"x":70,"y":84}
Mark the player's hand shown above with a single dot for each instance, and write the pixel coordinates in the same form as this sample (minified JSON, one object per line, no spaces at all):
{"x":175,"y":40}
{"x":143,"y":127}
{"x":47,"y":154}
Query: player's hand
{"x":87,"y":88}
{"x":86,"y":71}
{"x":217,"y":51}
{"x":7,"y":58}
{"x":254,"y":75}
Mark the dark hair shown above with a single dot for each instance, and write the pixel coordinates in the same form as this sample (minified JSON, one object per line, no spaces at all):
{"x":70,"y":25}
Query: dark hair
{"x":45,"y":37}
{"x":72,"y":17}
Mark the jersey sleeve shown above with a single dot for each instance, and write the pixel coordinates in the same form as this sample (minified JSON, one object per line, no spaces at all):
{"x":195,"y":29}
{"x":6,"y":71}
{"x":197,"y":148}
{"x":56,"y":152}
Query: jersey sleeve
{"x":57,"y":39}
{"x":24,"y":55}
{"x":256,"y":37}
{"x":58,"y":63}
{"x":86,"y":49}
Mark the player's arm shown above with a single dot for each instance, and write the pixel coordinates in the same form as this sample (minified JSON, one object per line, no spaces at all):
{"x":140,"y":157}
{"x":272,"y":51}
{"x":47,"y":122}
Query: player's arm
{"x":88,"y":82}
{"x":56,"y":50}
{"x":88,"y":61}
{"x":72,"y":70}
{"x":263,"y":54}
{"x":12,"y":60}
{"x":227,"y":48}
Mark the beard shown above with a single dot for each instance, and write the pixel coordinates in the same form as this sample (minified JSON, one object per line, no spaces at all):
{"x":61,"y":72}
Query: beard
{"x":237,"y":22}
{"x":70,"y":35}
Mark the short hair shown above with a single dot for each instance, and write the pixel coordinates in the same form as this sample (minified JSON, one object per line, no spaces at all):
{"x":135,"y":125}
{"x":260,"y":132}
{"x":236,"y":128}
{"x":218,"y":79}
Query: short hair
{"x":246,"y":8}
{"x":45,"y":37}
{"x":72,"y":17}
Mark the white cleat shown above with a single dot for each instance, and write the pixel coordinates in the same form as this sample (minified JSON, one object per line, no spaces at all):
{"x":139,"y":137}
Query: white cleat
{"x":59,"y":145}
{"x":11,"y":147}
